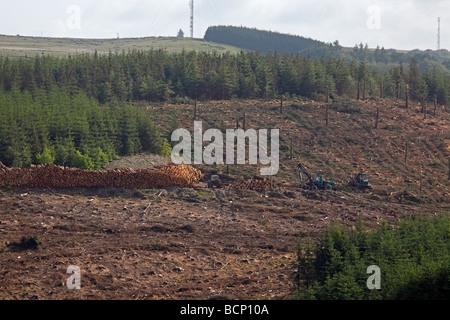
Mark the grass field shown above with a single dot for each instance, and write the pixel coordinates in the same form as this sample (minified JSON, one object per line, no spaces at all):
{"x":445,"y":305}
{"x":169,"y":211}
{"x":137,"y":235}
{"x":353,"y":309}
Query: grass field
{"x":21,"y":46}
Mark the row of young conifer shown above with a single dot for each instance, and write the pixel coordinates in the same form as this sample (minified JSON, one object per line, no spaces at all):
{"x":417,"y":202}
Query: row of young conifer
{"x":80,"y":111}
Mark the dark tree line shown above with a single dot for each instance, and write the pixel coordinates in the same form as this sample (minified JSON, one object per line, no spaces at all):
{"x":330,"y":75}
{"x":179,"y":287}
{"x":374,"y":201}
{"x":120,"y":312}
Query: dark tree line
{"x":158,"y":75}
{"x":379,"y":58}
{"x":78,"y":110}
{"x":260,"y":40}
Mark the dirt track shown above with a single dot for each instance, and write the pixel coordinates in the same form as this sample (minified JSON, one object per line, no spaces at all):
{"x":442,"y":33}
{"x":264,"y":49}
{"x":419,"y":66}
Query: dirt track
{"x":160,"y":244}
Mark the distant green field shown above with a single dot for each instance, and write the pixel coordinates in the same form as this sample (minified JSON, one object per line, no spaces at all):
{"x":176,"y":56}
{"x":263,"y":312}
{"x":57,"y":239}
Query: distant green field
{"x":21,"y":46}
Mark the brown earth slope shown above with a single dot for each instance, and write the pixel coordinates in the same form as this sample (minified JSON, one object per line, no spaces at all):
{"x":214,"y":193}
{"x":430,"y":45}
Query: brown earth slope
{"x":239,"y":244}
{"x":352,"y":140}
{"x":182,"y":244}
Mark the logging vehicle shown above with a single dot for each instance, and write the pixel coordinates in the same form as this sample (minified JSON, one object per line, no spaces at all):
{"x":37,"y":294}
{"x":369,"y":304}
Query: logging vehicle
{"x":313,"y":183}
{"x":214,"y":182}
{"x":361,"y":181}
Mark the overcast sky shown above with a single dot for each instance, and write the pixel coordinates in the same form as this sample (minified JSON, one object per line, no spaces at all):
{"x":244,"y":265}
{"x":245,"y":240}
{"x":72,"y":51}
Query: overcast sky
{"x":398,"y":24}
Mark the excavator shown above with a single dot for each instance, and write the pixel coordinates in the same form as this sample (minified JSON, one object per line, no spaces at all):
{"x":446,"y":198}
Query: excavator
{"x":313,"y":184}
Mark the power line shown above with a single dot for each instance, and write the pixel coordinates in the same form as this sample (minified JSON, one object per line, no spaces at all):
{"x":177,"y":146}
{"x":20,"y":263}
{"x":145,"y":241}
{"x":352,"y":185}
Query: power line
{"x":160,"y":16}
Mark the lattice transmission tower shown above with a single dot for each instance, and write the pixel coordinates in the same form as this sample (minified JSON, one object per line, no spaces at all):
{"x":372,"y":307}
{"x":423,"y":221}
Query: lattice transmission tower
{"x":191,"y":5}
{"x":439,"y":34}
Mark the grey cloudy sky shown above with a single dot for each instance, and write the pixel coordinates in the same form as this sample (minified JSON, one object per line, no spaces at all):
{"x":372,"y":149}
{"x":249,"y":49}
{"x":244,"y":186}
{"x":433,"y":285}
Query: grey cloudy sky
{"x":399,"y":24}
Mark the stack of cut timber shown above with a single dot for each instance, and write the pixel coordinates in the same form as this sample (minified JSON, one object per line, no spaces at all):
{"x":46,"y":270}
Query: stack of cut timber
{"x":51,"y":175}
{"x":13,"y":176}
{"x":183,"y":172}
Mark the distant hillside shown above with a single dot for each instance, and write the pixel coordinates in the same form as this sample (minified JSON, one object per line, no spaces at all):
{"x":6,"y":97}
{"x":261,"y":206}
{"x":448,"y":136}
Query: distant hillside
{"x":21,"y":46}
{"x":379,"y":58}
{"x":264,"y":41}
{"x":350,"y":142}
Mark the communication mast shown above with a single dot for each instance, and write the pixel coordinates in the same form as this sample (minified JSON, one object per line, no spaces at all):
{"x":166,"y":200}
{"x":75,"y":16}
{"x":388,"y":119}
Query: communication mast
{"x":439,"y":34}
{"x":191,"y":4}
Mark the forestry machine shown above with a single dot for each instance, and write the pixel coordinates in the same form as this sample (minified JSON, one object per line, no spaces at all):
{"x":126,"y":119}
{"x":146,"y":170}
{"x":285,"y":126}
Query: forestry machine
{"x":214,"y":182}
{"x":313,"y":184}
{"x":361,"y":181}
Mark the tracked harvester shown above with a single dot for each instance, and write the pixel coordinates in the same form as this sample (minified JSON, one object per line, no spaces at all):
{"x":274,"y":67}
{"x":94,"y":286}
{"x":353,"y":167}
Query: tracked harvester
{"x":313,"y":183}
{"x":361,"y":181}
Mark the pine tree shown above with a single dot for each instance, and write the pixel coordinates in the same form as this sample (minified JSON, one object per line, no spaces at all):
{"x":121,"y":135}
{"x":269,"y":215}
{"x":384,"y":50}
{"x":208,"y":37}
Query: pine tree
{"x":105,"y":92}
{"x":288,"y":77}
{"x":362,"y":79}
{"x":130,"y":134}
{"x":20,"y":148}
{"x":226,"y":81}
{"x":308,"y":79}
{"x":150,"y":139}
{"x":263,"y":76}
{"x":247,"y":80}
{"x":414,"y":80}
{"x":98,"y":157}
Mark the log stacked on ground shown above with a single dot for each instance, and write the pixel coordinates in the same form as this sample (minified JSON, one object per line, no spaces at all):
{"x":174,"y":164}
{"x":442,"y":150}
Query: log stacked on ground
{"x":183,"y":176}
{"x":51,"y":175}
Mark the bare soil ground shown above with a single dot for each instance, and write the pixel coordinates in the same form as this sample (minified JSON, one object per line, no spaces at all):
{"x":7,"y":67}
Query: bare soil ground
{"x":167,"y":244}
{"x":225,"y":243}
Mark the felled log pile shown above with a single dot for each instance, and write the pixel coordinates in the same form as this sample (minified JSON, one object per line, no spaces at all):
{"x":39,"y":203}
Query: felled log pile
{"x":183,"y":176}
{"x":184,"y":172}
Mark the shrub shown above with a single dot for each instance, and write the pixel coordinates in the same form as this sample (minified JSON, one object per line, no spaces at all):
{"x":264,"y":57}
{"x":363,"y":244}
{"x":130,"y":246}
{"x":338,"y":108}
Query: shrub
{"x":47,"y":156}
{"x":413,"y":257}
{"x":82,"y":161}
{"x":166,"y":149}
{"x":99,"y":158}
